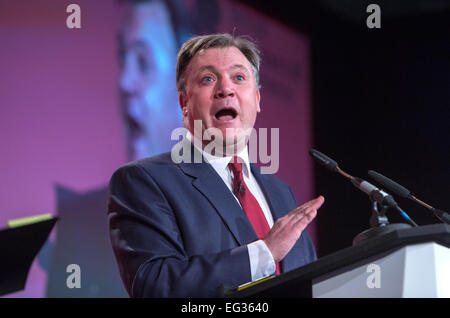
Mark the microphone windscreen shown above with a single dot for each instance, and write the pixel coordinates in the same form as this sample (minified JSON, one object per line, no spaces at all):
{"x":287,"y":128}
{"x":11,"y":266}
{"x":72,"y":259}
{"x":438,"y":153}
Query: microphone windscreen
{"x":324,"y":160}
{"x":389,"y":184}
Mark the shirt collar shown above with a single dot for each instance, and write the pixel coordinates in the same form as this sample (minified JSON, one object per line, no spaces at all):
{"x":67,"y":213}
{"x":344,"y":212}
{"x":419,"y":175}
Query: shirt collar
{"x":221,"y":163}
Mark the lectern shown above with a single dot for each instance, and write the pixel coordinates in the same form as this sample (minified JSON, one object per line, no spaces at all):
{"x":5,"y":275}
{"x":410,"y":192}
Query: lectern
{"x":409,"y":262}
{"x":18,"y":248}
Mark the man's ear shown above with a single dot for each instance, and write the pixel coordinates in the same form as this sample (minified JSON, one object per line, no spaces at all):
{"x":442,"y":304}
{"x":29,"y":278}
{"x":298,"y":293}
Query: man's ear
{"x":258,"y":100}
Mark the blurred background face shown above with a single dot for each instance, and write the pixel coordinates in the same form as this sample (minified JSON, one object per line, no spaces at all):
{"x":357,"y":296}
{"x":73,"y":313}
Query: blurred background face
{"x":147,"y":81}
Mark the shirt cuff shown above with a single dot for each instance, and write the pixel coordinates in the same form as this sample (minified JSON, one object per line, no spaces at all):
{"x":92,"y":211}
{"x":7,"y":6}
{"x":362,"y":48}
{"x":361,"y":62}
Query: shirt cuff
{"x":261,"y":260}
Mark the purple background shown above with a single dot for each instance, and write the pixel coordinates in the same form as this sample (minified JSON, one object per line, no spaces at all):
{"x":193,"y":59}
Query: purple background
{"x":59,"y":115}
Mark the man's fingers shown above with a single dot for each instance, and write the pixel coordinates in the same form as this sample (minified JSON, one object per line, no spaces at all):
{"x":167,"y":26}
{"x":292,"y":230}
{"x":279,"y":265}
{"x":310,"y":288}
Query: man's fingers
{"x":314,"y":203}
{"x":288,"y":229}
{"x":305,"y":219}
{"x":306,"y":208}
{"x":307,"y":212}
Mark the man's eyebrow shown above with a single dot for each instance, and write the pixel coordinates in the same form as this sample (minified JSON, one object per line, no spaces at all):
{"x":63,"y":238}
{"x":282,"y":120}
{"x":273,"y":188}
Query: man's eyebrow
{"x":213,"y":69}
{"x":238,"y":66}
{"x":206,"y":67}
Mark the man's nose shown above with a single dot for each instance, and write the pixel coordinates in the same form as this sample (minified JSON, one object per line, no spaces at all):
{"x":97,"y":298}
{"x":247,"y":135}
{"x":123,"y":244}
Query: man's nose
{"x":224,"y":89}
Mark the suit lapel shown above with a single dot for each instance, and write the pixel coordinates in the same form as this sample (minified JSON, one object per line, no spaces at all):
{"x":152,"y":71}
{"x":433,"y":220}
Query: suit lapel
{"x":209,"y":183}
{"x":212,"y":187}
{"x":277,"y":206}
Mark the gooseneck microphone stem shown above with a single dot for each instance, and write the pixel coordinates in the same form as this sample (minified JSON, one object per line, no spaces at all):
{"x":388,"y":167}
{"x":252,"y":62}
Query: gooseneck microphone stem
{"x":405,"y":193}
{"x":375,"y":194}
{"x":441,"y":215}
{"x":343,"y":173}
{"x":421,"y":202}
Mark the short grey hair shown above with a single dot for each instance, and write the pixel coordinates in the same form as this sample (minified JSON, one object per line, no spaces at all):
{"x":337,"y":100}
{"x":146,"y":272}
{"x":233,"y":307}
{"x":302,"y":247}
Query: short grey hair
{"x":219,"y":40}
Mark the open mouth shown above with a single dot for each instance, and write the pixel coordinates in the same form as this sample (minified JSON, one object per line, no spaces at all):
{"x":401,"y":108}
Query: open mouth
{"x":226,"y":114}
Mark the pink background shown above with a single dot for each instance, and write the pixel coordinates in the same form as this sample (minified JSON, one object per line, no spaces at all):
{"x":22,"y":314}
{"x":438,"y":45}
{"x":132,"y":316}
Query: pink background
{"x":59,"y":113}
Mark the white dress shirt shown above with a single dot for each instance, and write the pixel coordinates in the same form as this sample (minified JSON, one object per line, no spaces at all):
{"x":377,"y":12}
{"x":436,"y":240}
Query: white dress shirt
{"x":261,"y":260}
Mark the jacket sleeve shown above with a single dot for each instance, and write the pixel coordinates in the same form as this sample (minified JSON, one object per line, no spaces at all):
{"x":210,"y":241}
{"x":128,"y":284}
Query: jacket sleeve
{"x":148,"y":244}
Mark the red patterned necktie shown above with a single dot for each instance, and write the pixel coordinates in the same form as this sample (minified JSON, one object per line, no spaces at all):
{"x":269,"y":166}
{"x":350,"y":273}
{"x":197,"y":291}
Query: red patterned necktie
{"x":249,"y":203}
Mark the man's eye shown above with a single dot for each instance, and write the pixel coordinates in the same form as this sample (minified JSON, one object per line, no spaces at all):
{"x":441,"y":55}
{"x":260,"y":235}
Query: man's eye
{"x":207,"y":79}
{"x":239,"y":77}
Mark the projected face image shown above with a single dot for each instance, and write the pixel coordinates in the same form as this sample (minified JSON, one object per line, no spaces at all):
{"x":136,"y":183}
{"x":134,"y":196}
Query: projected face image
{"x":147,"y":80}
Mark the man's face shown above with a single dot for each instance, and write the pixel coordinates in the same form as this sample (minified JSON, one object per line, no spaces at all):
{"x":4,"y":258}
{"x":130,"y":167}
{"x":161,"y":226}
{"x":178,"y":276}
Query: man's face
{"x":220,"y":91}
{"x":147,"y":79}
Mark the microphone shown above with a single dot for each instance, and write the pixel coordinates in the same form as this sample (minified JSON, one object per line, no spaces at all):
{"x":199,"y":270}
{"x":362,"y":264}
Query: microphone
{"x":327,"y":162}
{"x":373,"y":192}
{"x":405,"y":193}
{"x":380,"y":196}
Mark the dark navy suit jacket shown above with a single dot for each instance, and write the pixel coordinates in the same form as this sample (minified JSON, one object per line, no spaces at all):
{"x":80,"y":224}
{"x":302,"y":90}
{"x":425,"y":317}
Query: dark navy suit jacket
{"x":177,"y":230}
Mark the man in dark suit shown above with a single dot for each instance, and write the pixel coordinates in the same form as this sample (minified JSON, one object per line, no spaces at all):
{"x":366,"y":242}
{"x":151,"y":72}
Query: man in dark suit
{"x":184,"y":229}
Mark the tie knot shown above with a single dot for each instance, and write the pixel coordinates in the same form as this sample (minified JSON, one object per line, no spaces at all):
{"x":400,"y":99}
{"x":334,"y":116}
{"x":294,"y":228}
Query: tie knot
{"x":235,"y":166}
